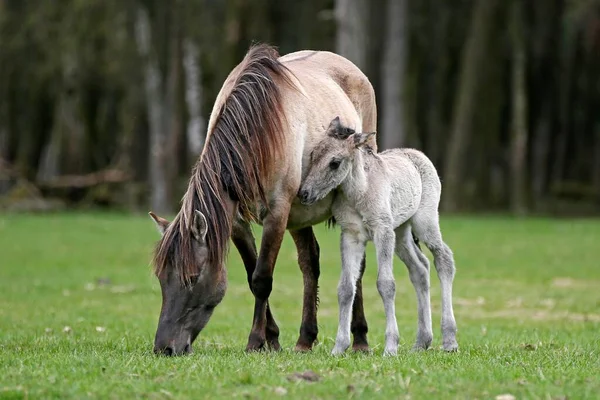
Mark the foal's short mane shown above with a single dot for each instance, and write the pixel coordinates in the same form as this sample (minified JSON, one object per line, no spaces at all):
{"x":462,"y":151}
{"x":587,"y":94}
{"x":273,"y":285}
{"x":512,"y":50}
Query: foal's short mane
{"x":238,"y":158}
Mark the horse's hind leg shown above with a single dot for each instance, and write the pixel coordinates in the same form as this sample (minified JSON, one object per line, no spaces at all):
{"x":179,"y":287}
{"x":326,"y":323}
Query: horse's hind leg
{"x":427,"y":228}
{"x":418,"y":270}
{"x":308,"y":260}
{"x":359,"y":326}
{"x":243,"y":239}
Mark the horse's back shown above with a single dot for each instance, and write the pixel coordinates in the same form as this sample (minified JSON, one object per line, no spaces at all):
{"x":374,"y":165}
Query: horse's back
{"x":325,"y":69}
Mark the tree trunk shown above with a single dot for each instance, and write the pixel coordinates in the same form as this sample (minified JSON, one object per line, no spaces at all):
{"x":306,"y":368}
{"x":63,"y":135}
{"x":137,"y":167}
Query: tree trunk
{"x":596,"y":167}
{"x":541,"y":151}
{"x":518,"y":194}
{"x":160,"y":200}
{"x":193,"y":98}
{"x":352,"y":27}
{"x":474,"y":53}
{"x":64,"y":152}
{"x":393,"y":74}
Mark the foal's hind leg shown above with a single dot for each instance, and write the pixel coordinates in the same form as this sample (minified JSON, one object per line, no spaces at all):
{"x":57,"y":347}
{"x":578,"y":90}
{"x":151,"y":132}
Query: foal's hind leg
{"x":243,"y":239}
{"x":418,"y":270}
{"x":308,"y":259}
{"x":426,"y":226}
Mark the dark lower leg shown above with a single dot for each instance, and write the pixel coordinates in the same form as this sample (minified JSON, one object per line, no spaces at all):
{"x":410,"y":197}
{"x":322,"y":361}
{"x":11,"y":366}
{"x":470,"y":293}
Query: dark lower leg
{"x":308,"y":260}
{"x":243,"y":240}
{"x":274,"y":227}
{"x":359,"y":326}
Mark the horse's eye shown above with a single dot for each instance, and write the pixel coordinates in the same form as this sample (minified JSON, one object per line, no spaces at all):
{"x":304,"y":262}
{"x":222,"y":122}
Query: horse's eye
{"x":334,"y":164}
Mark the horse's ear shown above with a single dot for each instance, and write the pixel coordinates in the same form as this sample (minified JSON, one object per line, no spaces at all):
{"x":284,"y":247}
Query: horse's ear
{"x":161,"y":223}
{"x":337,"y":130}
{"x":361,"y":139}
{"x":199,"y":227}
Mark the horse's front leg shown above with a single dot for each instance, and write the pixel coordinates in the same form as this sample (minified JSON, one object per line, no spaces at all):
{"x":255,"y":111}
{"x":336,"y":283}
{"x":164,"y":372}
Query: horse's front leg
{"x":359,"y":325}
{"x":308,"y":259}
{"x":274,"y":226}
{"x":243,"y":239}
{"x":385,"y":240}
{"x":352,"y":249}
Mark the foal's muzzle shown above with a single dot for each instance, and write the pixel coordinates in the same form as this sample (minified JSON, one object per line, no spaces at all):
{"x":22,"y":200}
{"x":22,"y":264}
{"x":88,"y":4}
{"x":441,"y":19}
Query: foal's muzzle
{"x":305,"y":197}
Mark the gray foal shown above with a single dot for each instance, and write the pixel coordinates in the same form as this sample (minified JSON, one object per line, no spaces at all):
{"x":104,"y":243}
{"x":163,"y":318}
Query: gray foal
{"x":384,"y":197}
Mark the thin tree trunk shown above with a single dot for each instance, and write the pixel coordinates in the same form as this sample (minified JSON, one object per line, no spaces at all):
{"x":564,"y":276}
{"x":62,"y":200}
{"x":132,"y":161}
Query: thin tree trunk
{"x":193,"y":98}
{"x":160,"y":200}
{"x":64,"y":152}
{"x":518,"y":195}
{"x":541,"y":151}
{"x":471,"y":70}
{"x":596,"y":168}
{"x":352,"y":30}
{"x":393,"y":74}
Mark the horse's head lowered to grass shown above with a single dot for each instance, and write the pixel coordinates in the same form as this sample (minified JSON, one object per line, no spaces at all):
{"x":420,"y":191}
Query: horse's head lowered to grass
{"x":189,"y":297}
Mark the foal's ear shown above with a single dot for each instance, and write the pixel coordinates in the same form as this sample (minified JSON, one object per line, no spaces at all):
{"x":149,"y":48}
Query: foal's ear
{"x":161,"y":223}
{"x":199,"y":227}
{"x":337,"y":130}
{"x":361,"y":138}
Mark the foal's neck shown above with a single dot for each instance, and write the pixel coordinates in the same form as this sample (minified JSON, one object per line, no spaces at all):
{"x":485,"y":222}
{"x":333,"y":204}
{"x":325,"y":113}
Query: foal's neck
{"x":356,"y":183}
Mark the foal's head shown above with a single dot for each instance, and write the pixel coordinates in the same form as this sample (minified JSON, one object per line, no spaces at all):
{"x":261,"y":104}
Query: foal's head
{"x":331,"y":161}
{"x":191,"y":288}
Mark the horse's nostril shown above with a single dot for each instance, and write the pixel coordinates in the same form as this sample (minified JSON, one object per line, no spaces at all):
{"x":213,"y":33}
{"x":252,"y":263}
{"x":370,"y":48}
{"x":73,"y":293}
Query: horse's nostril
{"x":168,"y":351}
{"x":187,"y":349}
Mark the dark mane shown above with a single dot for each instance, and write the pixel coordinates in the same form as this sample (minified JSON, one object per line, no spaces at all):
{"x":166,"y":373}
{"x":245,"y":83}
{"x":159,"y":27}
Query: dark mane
{"x":238,"y":158}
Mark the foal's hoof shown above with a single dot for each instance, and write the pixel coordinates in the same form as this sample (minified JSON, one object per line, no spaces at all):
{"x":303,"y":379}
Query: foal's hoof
{"x":450,"y":347}
{"x":390,"y":352}
{"x":338,"y":350}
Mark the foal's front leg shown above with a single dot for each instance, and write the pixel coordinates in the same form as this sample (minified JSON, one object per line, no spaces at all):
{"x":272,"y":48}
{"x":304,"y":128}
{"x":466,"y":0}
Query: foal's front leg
{"x":274,"y":226}
{"x":352,"y":249}
{"x":384,"y":244}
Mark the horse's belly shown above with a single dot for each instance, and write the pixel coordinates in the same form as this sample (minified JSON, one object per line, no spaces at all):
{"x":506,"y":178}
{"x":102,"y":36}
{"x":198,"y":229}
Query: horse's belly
{"x":302,"y":216}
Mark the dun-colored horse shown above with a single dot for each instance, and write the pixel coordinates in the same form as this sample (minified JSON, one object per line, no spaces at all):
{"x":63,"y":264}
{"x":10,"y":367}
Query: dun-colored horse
{"x":266,"y":120}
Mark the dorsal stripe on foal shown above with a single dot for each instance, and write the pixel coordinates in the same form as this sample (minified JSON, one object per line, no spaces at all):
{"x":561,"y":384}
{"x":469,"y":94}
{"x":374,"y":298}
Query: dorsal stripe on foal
{"x":238,"y":158}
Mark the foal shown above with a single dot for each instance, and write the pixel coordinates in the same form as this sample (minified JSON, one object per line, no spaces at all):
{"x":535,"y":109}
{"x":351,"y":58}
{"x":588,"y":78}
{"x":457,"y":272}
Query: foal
{"x":383,"y":197}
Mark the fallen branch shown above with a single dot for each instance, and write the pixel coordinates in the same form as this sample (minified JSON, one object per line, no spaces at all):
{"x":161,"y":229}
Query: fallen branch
{"x":87,"y":180}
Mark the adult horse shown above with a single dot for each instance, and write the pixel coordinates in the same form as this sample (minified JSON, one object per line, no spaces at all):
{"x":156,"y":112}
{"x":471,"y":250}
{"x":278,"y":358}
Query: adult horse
{"x":268,"y":116}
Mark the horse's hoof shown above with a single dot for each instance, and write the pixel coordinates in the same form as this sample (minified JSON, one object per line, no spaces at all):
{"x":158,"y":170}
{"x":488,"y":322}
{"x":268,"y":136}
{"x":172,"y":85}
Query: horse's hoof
{"x":274,"y":345}
{"x":255,"y":343}
{"x":361,"y":348}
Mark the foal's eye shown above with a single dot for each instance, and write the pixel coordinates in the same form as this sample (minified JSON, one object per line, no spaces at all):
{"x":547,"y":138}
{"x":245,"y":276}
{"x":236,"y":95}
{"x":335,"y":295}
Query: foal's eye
{"x":334,"y":164}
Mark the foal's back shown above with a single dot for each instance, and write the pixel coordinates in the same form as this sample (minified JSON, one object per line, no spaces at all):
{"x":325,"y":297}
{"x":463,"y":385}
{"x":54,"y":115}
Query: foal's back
{"x":404,"y":180}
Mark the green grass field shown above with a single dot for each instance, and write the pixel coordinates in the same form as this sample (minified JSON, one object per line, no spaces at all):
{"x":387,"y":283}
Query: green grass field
{"x":527,"y":304}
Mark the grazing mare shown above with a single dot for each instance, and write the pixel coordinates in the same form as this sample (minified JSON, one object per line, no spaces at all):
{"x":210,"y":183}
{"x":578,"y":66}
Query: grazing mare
{"x":385,"y":198}
{"x":266,"y":120}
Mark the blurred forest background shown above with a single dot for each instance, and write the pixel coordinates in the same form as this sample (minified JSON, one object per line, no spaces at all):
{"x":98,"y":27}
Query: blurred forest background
{"x":105,"y":102}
